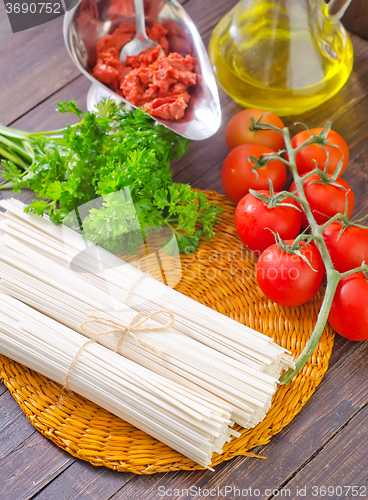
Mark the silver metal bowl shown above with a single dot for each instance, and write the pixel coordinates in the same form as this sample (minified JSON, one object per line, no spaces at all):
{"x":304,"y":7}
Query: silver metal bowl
{"x":86,"y":23}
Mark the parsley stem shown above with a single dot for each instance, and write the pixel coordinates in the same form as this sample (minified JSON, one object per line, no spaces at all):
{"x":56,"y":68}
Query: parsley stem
{"x":15,"y":146}
{"x":7,"y":185}
{"x":12,"y":156}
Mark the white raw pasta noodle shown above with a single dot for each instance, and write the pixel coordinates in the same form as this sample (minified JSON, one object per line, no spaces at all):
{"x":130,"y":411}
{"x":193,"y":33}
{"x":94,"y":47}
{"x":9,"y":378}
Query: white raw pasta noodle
{"x":194,"y":356}
{"x":183,"y":419}
{"x":231,"y":336}
{"x":192,"y":362}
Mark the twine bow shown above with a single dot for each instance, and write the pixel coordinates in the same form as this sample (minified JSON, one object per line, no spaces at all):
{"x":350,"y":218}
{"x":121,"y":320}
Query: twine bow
{"x":134,"y":325}
{"x":137,"y":324}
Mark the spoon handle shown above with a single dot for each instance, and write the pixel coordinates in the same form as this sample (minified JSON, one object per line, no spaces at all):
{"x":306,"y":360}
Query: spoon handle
{"x":140,"y":22}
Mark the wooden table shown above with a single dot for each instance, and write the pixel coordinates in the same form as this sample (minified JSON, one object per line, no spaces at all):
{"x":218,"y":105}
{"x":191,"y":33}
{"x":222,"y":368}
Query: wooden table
{"x":326,"y":444}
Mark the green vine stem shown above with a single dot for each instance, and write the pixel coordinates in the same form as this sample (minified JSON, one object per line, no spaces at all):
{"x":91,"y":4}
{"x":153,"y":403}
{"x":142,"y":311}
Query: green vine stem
{"x":333,"y":276}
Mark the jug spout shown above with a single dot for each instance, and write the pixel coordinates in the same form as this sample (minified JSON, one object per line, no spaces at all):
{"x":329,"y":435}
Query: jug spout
{"x":337,"y":8}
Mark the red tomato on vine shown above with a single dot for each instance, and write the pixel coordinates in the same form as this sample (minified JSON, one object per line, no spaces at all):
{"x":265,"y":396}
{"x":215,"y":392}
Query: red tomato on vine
{"x":349,"y":310}
{"x":237,"y":172}
{"x":253,"y":221}
{"x":286,"y":278}
{"x":239,"y":130}
{"x":315,"y":155}
{"x":326,"y":199}
{"x":349,"y":249}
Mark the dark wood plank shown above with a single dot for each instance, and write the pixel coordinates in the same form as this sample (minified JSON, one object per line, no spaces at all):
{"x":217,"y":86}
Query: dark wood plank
{"x":356,"y":18}
{"x":33,"y":465}
{"x":14,"y":427}
{"x":342,"y":349}
{"x":2,"y":388}
{"x":84,"y":481}
{"x":45,"y":117}
{"x":357,"y":177}
{"x":27,"y":460}
{"x":153,"y":487}
{"x":206,"y":15}
{"x":342,"y":464}
{"x":37,"y":65}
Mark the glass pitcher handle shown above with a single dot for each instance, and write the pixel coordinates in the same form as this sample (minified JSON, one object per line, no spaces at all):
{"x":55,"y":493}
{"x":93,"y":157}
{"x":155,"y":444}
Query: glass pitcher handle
{"x":337,"y":8}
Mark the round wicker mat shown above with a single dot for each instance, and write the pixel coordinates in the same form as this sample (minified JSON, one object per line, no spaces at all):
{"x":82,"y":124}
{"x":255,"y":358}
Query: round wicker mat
{"x":220,"y":275}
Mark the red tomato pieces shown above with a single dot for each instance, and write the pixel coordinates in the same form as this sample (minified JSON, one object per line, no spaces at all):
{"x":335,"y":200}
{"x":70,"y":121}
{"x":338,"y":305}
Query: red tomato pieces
{"x":159,"y":84}
{"x":305,"y":158}
{"x":349,"y":311}
{"x":237,"y":176}
{"x":348,"y":251}
{"x":253,"y":217}
{"x":238,"y":130}
{"x":286,"y":278}
{"x":326,"y":199}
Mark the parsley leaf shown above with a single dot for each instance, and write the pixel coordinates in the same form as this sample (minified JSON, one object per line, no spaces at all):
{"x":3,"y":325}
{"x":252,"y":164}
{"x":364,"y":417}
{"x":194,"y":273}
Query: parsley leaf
{"x":107,"y":152}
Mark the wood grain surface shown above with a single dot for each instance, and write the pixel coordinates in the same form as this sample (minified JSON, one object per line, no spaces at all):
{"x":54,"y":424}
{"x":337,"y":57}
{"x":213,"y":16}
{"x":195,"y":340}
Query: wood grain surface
{"x":356,"y":18}
{"x":326,"y":444}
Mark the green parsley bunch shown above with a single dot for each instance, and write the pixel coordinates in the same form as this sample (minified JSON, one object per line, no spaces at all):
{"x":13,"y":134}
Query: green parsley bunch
{"x":105,"y":152}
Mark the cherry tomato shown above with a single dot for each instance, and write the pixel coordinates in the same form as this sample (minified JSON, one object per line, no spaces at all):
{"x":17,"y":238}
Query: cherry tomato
{"x":304,"y":159}
{"x":253,"y":217}
{"x":348,"y":251}
{"x":237,"y":176}
{"x":238,"y":130}
{"x":286,"y":278}
{"x":326,"y":199}
{"x":349,"y":311}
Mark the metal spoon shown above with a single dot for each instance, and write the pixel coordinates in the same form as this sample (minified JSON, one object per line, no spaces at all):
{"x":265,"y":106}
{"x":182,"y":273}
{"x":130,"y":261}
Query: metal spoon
{"x":141,"y":41}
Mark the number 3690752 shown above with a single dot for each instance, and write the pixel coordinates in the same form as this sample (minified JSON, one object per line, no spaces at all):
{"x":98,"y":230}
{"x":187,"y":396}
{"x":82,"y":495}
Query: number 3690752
{"x":33,"y":8}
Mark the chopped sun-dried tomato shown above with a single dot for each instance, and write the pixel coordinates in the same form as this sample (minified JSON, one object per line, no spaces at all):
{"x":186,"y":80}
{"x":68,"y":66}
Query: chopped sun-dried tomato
{"x":158,"y":83}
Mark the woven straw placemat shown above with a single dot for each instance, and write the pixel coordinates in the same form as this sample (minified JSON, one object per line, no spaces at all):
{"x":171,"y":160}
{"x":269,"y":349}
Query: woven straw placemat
{"x":220,"y":275}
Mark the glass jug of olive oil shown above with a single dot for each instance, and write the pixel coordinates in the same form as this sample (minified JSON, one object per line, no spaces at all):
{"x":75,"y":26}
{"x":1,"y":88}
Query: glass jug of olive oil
{"x":287,"y":56}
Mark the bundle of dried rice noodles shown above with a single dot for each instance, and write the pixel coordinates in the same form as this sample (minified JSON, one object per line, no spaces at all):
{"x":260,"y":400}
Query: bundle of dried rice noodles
{"x":203,"y":351}
{"x":183,"y":419}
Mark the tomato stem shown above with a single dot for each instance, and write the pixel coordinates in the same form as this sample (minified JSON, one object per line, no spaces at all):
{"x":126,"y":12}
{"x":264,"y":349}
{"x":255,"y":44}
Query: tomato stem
{"x":296,"y":198}
{"x":333,"y":276}
{"x":309,"y":174}
{"x":330,"y":221}
{"x":362,"y":269}
{"x":317,"y":332}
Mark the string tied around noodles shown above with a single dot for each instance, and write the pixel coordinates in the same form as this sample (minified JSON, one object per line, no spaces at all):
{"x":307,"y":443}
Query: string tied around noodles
{"x":146,"y":274}
{"x":136,"y":324}
{"x":74,"y":360}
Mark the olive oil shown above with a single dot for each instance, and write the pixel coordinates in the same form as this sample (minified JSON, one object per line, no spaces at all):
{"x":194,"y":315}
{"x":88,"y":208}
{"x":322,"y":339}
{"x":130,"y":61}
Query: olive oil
{"x":287,"y":56}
